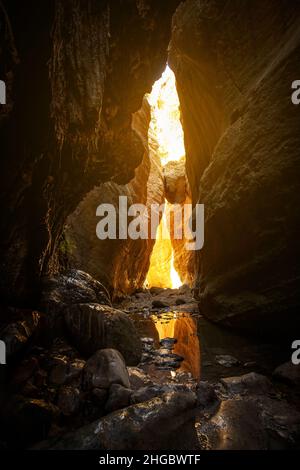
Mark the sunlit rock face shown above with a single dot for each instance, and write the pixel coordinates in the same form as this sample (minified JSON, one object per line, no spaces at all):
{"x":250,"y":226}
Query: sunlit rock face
{"x":175,"y":181}
{"x":74,"y":78}
{"x":177,"y":193}
{"x":121,"y":265}
{"x":183,"y":259}
{"x":234,"y":67}
{"x":171,"y":264}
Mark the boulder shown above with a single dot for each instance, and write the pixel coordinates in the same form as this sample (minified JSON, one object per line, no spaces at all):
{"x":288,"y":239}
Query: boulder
{"x":288,"y":372}
{"x":206,"y":395}
{"x":72,"y":287}
{"x":119,"y":397}
{"x":100,"y":396}
{"x":104,"y":368}
{"x":92,"y":327}
{"x":251,"y":383}
{"x":151,"y":425}
{"x":146,"y":393}
{"x":226,"y":360}
{"x":20,"y":331}
{"x":159,"y":304}
{"x":236,"y":426}
{"x":25,"y":370}
{"x":138,"y":378}
{"x":65,"y":371}
{"x":68,"y":400}
{"x":27,"y":420}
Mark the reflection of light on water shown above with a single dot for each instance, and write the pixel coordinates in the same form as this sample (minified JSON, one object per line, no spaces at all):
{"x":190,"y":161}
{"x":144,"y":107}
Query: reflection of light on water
{"x":184,"y":329}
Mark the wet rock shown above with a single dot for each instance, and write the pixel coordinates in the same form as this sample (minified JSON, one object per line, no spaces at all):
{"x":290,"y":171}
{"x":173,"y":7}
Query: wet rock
{"x":281,"y":422}
{"x":168,"y":342}
{"x":30,"y":390}
{"x":92,"y":327}
{"x":146,"y":393}
{"x":236,"y":426}
{"x":151,"y":425}
{"x":141,"y":295}
{"x":288,"y":372}
{"x":100,"y":395}
{"x":40,"y":378}
{"x":25,"y":370}
{"x":59,"y":351}
{"x":206,"y":395}
{"x":156,"y":290}
{"x":138,"y":378}
{"x":18,"y":333}
{"x":73,"y":287}
{"x":248,"y":383}
{"x":65,"y":372}
{"x":27,"y":420}
{"x":159,"y":304}
{"x":167,"y":361}
{"x":250,"y":364}
{"x":156,"y":390}
{"x":68,"y":400}
{"x":119,"y":397}
{"x":226,"y":360}
{"x":148,"y":344}
{"x":255,"y":422}
{"x":104,"y":368}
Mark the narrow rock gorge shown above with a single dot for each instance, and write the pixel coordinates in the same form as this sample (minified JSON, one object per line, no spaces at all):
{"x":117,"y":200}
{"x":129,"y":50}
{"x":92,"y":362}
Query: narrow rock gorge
{"x":124,"y":122}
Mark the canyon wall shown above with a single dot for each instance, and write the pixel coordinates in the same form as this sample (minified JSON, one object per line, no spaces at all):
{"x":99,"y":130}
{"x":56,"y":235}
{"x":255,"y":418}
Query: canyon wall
{"x":75,"y":72}
{"x":234,"y":64}
{"x":121,"y":265}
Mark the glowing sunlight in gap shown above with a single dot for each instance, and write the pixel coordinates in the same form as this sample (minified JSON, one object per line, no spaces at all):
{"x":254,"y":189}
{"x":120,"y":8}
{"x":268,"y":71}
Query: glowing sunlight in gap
{"x":165,"y":124}
{"x":166,"y":130}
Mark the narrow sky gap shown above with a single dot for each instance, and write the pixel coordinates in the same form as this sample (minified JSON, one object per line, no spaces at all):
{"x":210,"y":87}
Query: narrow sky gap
{"x":166,"y":130}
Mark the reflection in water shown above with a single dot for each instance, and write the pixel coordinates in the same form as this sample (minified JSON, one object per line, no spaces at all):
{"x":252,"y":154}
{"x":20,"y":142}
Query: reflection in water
{"x":183,"y":328}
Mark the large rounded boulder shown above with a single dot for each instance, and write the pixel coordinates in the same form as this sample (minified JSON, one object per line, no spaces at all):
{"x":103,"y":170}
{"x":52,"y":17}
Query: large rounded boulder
{"x":93,"y":326}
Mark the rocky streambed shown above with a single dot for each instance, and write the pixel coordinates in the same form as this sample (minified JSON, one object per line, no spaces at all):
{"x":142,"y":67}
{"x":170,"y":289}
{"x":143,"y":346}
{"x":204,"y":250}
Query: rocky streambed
{"x":85,"y":374}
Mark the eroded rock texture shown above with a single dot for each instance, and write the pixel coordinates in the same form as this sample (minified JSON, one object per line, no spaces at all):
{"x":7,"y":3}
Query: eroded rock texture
{"x":121,"y":264}
{"x":234,"y":66}
{"x":74,"y":79}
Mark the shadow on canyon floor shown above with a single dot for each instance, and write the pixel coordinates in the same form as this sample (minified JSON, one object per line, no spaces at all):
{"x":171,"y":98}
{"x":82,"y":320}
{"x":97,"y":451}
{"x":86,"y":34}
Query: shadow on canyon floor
{"x":149,"y":373}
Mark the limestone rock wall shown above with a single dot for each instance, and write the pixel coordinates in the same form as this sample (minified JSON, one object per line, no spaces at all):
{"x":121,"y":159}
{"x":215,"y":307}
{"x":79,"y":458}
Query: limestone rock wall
{"x":234,"y":64}
{"x":76,"y":70}
{"x":121,"y":265}
{"x":178,"y":193}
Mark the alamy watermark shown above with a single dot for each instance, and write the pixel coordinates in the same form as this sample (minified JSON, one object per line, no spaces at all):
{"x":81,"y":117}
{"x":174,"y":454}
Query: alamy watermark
{"x":296,"y":354}
{"x":2,"y":352}
{"x":139,"y":222}
{"x":296,"y":94}
{"x":2,"y":92}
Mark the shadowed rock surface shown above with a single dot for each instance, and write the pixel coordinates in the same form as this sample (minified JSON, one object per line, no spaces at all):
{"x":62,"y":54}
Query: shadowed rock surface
{"x":234,"y":66}
{"x":120,"y":264}
{"x":146,"y":426}
{"x":74,"y":78}
{"x":93,"y":326}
